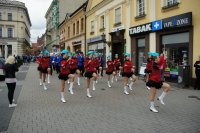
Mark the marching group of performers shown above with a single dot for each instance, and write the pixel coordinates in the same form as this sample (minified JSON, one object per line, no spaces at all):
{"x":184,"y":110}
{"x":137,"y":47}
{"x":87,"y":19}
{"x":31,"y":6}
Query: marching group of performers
{"x":90,"y":66}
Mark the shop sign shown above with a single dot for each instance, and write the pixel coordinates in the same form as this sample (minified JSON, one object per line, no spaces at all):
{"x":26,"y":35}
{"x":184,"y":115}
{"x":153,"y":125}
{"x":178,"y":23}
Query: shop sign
{"x":140,"y":29}
{"x":118,"y":28}
{"x":178,"y":21}
{"x":76,"y":43}
{"x":95,"y":39}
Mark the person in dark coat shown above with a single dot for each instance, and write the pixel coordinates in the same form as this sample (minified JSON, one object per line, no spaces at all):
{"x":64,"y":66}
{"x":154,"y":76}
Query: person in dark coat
{"x":197,"y":72}
{"x":10,"y":79}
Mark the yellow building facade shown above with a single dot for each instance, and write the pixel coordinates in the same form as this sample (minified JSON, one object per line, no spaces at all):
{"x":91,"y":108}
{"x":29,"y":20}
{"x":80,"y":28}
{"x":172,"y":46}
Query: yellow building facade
{"x":72,"y":30}
{"x":107,"y":26}
{"x":169,"y":26}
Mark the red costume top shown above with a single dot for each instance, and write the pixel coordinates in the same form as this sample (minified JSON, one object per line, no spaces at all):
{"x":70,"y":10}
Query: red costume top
{"x":45,"y":62}
{"x":156,"y":72}
{"x":110,"y":67}
{"x":39,"y":61}
{"x":117,"y":62}
{"x":74,"y":62}
{"x":96,"y":62}
{"x":64,"y":69}
{"x":128,"y":66}
{"x":149,"y":64}
{"x":89,"y":65}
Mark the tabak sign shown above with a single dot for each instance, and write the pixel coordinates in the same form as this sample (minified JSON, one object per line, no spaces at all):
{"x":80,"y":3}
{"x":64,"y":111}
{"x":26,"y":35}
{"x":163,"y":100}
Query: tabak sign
{"x":171,"y":22}
{"x":140,"y":29}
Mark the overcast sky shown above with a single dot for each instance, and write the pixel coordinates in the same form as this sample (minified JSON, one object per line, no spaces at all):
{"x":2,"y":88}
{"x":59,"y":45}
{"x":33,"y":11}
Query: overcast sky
{"x":37,"y":10}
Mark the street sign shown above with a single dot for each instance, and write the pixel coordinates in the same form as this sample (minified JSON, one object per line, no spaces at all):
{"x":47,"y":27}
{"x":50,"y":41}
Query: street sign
{"x":156,"y":25}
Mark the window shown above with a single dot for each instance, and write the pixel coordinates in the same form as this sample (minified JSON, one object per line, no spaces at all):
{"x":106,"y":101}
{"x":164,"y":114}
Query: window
{"x":102,"y":22}
{"x":171,"y":2}
{"x":69,"y":32}
{"x":10,"y":32}
{"x":74,"y":29}
{"x":141,"y":7}
{"x":118,"y":15}
{"x":92,"y":26}
{"x":10,"y":16}
{"x":0,"y":16}
{"x":82,"y":24}
{"x":77,"y":27}
{"x":1,"y":32}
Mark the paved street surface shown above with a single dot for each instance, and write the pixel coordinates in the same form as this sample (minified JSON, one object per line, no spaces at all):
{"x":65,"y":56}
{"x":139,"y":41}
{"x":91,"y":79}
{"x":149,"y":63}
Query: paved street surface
{"x":109,"y":111}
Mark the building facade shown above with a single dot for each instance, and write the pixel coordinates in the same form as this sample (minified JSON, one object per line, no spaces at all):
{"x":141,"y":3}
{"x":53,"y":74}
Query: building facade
{"x":55,"y":15}
{"x":72,"y":30}
{"x":14,"y":28}
{"x":166,"y":26}
{"x":108,"y":27}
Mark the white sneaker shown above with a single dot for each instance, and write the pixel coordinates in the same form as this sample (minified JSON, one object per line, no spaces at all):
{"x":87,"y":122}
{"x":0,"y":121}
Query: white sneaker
{"x":153,"y":109}
{"x":148,"y":88}
{"x":116,"y":79}
{"x":71,"y":91}
{"x":125,"y":91}
{"x":130,"y":86}
{"x":96,"y":81}
{"x":40,"y":84}
{"x":161,"y":101}
{"x":12,"y":105}
{"x":63,"y":100}
{"x":93,"y":88}
{"x":48,"y":82}
{"x":79,"y":84}
{"x":88,"y":94}
{"x":109,"y":85}
{"x":45,"y":88}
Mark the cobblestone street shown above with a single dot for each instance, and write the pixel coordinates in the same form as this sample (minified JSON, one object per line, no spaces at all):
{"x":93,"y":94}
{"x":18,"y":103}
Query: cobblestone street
{"x":109,"y":111}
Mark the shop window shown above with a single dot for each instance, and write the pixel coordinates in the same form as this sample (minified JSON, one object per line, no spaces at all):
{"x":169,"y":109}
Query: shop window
{"x":118,"y":16}
{"x":82,"y":24}
{"x":176,"y":49}
{"x":92,"y":27}
{"x":10,"y":16}
{"x":77,"y":27}
{"x":140,"y":52}
{"x":0,"y":16}
{"x":10,"y":32}
{"x":1,"y":32}
{"x":102,"y":23}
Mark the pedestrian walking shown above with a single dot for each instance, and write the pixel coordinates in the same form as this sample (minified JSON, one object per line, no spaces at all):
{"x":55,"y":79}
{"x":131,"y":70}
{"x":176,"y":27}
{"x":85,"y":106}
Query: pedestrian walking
{"x":197,"y":72}
{"x":10,"y":79}
{"x":81,"y":62}
{"x":155,"y":83}
{"x":128,"y":72}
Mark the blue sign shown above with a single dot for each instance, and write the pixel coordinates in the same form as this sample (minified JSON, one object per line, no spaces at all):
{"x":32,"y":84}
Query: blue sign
{"x":55,"y":50}
{"x":156,"y":25}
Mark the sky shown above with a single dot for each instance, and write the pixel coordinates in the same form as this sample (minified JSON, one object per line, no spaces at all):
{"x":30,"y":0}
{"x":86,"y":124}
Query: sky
{"x":37,"y":10}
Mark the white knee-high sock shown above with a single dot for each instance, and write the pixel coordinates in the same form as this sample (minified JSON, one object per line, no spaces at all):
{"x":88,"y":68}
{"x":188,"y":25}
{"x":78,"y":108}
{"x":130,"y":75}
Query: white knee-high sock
{"x":162,"y":95}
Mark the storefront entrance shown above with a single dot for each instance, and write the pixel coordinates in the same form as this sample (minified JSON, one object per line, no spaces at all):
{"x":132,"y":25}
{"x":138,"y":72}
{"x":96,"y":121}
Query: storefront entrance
{"x":117,"y":40}
{"x":140,"y":52}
